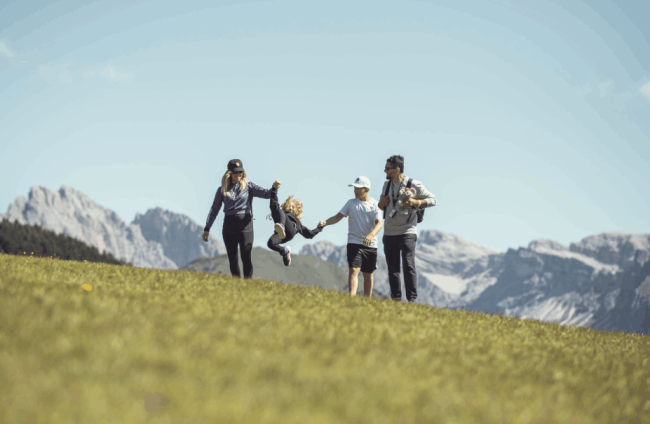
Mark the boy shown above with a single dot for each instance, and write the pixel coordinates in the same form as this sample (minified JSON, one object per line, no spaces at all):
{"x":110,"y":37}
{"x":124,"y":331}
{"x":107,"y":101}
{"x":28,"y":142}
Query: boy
{"x":364,"y":224}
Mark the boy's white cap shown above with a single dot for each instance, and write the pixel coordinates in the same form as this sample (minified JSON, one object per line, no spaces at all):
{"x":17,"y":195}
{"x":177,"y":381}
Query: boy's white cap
{"x":360,"y":182}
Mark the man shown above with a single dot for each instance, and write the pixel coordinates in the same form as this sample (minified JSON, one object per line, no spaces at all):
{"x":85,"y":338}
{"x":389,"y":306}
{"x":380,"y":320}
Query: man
{"x":364,"y":224}
{"x":400,"y":232}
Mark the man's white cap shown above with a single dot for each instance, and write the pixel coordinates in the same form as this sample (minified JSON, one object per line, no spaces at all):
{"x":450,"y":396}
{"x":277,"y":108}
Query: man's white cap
{"x":360,"y":182}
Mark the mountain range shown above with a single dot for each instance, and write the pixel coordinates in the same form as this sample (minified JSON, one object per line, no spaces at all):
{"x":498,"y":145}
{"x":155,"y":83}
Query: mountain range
{"x":602,"y":281}
{"x":158,"y":239}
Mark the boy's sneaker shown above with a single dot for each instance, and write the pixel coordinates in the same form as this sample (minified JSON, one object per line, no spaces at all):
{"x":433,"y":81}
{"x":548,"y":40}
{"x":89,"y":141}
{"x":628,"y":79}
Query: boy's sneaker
{"x":279,"y":228}
{"x":287,"y":256}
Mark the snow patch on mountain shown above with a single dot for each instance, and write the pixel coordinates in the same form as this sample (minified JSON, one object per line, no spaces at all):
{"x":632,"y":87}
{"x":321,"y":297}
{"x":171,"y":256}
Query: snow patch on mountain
{"x":448,"y":283}
{"x":644,"y":290}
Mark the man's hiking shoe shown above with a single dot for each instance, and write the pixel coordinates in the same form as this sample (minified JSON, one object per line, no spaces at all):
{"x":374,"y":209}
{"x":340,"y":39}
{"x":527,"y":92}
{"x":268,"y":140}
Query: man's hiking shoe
{"x":279,"y":228}
{"x":287,"y":256}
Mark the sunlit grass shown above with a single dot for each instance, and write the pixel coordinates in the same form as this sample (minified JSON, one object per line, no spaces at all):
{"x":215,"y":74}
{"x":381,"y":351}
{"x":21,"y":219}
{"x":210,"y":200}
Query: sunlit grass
{"x":96,"y":343}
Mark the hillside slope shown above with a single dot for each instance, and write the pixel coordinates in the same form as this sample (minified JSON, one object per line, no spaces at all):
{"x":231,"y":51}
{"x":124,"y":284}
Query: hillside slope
{"x":304,"y":270}
{"x":97,"y":343}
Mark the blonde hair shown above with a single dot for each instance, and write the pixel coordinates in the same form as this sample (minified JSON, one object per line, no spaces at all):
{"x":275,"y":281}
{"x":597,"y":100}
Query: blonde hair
{"x":225,"y":182}
{"x":294,"y":206}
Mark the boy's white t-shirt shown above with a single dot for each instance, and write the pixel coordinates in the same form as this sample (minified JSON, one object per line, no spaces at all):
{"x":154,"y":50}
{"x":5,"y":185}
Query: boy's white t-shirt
{"x":361,"y":219}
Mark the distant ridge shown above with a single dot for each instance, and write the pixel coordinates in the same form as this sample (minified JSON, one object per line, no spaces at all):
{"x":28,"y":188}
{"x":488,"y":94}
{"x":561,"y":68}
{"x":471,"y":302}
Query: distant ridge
{"x":602,"y":282}
{"x":613,"y":248}
{"x":179,"y":235}
{"x":72,"y":213}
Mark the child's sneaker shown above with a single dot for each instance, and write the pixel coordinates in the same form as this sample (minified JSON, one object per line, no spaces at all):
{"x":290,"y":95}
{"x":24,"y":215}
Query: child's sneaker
{"x":279,"y":228}
{"x":287,"y":256}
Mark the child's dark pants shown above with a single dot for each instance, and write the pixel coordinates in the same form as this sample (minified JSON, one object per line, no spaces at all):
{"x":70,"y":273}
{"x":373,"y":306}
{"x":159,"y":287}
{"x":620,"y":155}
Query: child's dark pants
{"x":280,"y":217}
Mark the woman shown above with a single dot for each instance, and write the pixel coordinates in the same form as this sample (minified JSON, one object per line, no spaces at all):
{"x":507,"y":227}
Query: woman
{"x":236,"y":194}
{"x":287,"y":224}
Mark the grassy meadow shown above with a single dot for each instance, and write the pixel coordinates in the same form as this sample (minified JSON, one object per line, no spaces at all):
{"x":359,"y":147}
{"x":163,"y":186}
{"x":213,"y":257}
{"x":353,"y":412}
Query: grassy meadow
{"x":98,"y":343}
{"x":305,"y":270}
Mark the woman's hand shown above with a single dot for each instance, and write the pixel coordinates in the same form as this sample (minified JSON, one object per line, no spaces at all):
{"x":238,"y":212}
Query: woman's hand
{"x":205,"y":236}
{"x":322,"y":224}
{"x":277,"y":184}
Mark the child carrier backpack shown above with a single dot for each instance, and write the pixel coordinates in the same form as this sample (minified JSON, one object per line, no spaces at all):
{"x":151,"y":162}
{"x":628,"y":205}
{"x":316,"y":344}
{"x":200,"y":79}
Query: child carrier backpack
{"x":419,"y":212}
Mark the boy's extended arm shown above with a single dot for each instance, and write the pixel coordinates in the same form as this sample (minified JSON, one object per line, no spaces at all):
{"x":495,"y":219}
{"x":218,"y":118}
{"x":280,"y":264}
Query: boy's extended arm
{"x":331,"y":221}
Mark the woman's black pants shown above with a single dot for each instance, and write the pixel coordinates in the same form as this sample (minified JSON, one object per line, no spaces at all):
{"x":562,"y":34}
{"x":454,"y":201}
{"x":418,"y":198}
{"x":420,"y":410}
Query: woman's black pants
{"x":244,"y":240}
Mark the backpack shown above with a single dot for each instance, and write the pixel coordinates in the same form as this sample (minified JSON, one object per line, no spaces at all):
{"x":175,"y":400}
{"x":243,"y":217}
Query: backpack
{"x":419,"y":212}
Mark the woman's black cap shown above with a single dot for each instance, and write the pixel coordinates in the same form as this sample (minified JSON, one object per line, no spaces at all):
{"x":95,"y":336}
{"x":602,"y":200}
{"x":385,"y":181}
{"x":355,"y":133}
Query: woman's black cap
{"x":235,"y":165}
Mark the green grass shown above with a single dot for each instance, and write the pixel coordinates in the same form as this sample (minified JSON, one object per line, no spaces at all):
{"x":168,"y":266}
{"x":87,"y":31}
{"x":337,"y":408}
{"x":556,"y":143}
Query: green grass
{"x":305,"y":270}
{"x":222,"y":350}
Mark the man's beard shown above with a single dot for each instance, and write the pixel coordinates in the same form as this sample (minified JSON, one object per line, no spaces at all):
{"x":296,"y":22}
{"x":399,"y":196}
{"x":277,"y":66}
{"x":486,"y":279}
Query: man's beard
{"x":388,"y":178}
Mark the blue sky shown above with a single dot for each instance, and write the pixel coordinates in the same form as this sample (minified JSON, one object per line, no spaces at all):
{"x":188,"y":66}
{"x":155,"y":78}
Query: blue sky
{"x":526,"y":120}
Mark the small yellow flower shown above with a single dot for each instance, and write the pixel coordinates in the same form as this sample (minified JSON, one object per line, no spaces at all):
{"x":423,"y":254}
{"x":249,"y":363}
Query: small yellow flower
{"x":24,"y":253}
{"x":32,"y":253}
{"x":87,"y":287}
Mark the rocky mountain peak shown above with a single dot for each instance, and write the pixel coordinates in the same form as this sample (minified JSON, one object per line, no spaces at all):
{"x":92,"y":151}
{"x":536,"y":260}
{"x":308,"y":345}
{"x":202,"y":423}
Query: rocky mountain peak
{"x":179,"y":235}
{"x":614,"y":248}
{"x":157,"y":239}
{"x":545,"y":244}
{"x":445,"y":246}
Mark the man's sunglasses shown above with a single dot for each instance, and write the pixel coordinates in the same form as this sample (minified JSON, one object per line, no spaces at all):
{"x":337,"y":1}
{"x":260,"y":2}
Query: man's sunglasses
{"x":389,"y":168}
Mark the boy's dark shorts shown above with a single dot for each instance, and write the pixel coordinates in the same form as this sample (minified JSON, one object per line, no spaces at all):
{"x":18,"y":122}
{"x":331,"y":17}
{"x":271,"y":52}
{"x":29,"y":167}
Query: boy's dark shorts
{"x":360,"y":256}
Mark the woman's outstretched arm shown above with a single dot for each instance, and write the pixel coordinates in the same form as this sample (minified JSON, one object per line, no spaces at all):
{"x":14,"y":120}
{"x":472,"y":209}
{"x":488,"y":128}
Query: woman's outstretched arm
{"x":257,"y":191}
